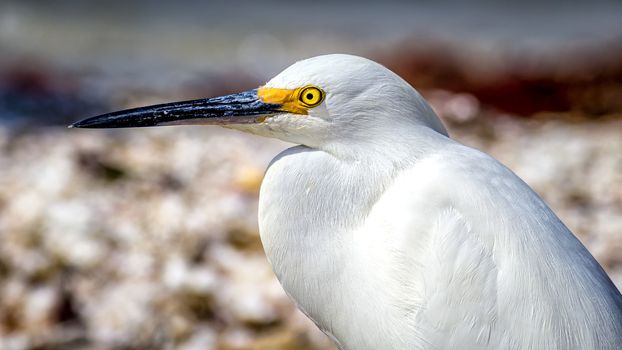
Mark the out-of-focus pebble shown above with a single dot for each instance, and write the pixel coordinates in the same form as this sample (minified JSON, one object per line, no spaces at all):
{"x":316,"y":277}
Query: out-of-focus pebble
{"x":248,"y":179}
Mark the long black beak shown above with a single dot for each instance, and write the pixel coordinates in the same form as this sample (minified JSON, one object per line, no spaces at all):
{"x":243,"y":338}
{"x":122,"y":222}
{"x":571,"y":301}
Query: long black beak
{"x":241,"y":108}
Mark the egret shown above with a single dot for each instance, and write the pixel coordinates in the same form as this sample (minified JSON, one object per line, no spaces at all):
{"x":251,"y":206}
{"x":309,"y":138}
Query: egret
{"x":388,"y":234}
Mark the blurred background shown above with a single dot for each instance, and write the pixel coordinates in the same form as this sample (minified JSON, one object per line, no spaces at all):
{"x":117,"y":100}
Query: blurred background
{"x":147,"y":239}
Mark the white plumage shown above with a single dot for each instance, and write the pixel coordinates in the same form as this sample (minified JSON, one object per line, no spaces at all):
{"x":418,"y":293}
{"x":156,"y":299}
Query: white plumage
{"x":390,"y":235}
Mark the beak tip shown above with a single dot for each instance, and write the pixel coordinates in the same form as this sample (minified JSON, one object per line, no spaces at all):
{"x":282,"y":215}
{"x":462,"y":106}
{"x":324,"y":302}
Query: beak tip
{"x":89,"y":123}
{"x":76,"y":125}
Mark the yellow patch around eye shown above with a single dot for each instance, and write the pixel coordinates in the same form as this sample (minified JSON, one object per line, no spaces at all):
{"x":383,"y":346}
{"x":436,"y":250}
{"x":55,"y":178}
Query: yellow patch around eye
{"x":284,"y":97}
{"x":296,"y":101}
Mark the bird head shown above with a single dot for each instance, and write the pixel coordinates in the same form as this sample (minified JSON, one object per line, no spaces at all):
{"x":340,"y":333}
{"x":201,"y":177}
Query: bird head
{"x":315,"y":102}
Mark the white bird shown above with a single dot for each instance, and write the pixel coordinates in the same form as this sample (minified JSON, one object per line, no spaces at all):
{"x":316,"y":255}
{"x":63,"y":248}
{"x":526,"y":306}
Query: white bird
{"x":390,"y":235}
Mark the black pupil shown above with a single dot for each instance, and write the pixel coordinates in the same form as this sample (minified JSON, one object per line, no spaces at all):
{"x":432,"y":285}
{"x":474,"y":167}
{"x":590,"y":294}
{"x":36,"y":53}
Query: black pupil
{"x":309,"y":96}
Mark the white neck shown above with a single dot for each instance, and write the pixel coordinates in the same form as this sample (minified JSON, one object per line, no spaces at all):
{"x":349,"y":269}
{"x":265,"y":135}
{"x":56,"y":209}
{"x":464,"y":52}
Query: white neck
{"x":310,"y":202}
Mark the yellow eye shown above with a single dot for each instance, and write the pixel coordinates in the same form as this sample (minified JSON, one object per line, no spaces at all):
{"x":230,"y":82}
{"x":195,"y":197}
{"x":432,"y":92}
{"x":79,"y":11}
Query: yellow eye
{"x":311,"y":96}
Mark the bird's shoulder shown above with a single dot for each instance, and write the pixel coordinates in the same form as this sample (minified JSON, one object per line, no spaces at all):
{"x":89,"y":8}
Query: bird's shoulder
{"x":441,"y":256}
{"x":456,"y":172}
{"x":479,"y":251}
